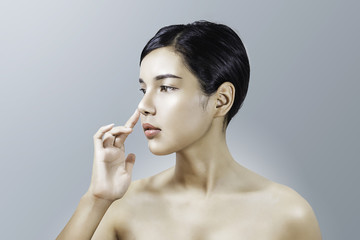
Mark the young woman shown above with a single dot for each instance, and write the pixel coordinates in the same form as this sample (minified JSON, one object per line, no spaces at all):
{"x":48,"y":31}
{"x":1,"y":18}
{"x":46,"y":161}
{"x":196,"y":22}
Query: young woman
{"x":194,"y":78}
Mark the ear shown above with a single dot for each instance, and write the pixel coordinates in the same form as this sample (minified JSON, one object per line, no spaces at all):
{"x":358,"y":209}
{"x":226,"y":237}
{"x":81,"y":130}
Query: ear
{"x":225,"y":98}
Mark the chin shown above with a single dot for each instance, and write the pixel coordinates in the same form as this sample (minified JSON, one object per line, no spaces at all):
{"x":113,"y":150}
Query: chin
{"x":160,"y":149}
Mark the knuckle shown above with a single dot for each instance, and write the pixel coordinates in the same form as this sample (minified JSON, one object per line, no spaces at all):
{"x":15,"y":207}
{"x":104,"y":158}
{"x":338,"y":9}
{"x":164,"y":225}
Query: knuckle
{"x":106,"y":135}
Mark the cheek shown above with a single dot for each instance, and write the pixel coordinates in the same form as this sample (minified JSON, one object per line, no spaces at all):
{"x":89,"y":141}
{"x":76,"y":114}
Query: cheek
{"x":183,"y":121}
{"x":183,"y":113}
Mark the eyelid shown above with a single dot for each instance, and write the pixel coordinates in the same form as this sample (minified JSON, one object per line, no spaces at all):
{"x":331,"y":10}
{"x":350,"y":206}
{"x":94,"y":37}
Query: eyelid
{"x":143,"y":90}
{"x":167,"y":88}
{"x":163,"y":88}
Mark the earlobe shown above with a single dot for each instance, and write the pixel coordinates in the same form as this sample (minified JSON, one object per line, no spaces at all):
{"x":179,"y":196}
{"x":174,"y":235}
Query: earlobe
{"x":225,"y":98}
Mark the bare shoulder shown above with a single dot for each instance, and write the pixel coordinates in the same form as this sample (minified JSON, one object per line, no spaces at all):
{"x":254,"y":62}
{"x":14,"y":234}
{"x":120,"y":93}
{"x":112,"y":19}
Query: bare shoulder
{"x":295,"y":214}
{"x":118,"y":219}
{"x":140,"y":195}
{"x":136,"y":194}
{"x":151,"y":185}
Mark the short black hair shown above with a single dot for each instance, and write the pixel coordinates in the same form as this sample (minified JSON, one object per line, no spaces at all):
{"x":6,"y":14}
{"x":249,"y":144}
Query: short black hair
{"x":213,"y":52}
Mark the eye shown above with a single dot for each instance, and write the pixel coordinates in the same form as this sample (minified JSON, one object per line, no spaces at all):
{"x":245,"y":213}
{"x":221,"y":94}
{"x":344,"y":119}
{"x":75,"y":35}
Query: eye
{"x":167,"y":88}
{"x":143,"y":90}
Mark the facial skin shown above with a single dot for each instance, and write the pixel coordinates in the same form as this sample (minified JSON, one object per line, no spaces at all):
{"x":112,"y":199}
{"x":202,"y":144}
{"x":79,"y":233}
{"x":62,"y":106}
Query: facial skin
{"x":173,"y":102}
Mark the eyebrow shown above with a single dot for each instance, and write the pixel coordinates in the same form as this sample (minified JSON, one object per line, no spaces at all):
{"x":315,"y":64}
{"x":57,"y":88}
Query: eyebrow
{"x":162,"y":76}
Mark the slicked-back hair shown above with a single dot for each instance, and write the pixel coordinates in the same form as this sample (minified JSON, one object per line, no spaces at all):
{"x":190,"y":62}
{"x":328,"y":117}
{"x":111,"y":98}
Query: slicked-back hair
{"x":213,"y":52}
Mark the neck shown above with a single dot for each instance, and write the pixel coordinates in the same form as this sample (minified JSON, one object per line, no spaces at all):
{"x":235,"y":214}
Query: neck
{"x":205,"y":164}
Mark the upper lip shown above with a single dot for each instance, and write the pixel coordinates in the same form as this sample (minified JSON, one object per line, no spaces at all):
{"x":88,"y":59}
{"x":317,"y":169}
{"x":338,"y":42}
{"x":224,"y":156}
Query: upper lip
{"x":148,"y":126}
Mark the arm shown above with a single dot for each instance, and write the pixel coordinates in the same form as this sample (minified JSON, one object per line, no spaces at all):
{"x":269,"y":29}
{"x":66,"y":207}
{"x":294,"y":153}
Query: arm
{"x":305,"y":226}
{"x":85,"y":219}
{"x":302,"y":223}
{"x":110,"y":180}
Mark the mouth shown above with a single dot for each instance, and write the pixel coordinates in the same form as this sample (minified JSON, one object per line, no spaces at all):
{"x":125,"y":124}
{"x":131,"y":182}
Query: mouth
{"x":150,"y":131}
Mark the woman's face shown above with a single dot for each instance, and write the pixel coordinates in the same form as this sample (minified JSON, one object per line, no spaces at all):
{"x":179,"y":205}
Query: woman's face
{"x":173,"y":104}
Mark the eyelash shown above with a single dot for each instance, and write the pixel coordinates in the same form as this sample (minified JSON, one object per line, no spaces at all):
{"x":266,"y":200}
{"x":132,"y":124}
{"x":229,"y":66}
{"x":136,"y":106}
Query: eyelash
{"x":167,"y":88}
{"x":162,"y":89}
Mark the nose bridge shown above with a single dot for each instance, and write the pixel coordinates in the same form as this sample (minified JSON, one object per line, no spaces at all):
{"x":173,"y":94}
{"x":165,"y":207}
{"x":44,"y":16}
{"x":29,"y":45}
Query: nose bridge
{"x":146,"y":105}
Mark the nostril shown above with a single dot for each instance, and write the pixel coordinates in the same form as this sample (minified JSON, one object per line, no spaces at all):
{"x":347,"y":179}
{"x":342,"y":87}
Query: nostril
{"x":145,"y":108}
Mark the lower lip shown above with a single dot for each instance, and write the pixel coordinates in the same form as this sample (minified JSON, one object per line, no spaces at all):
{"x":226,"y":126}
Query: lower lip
{"x":151,"y":133}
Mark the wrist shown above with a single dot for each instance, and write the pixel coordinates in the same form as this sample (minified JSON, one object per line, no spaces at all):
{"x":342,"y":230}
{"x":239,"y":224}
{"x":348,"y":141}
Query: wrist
{"x":95,"y":201}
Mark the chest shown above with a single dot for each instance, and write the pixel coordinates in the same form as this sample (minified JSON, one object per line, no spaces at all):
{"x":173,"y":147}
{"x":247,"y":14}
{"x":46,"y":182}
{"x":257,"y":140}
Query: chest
{"x":198,"y":221}
{"x":171,"y":230}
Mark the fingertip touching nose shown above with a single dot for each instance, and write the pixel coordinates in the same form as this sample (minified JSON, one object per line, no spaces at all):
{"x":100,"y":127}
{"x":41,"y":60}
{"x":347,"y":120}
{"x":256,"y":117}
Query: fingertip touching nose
{"x":146,"y":108}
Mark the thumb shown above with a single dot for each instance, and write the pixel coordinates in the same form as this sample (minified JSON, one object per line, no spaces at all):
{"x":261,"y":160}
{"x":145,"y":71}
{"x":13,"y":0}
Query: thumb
{"x":129,"y":162}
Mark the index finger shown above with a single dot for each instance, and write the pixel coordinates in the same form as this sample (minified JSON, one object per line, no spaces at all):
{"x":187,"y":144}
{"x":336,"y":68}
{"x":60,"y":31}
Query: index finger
{"x":133,"y":119}
{"x":119,"y":141}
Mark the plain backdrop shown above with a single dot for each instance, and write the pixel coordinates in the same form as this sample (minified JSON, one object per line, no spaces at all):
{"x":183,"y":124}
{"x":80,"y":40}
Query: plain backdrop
{"x":69,"y":67}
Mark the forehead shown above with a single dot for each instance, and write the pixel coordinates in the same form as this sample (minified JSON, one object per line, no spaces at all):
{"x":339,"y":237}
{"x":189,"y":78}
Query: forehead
{"x":163,"y":61}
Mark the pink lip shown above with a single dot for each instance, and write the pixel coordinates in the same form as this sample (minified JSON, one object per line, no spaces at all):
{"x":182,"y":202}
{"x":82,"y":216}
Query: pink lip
{"x":150,"y":130}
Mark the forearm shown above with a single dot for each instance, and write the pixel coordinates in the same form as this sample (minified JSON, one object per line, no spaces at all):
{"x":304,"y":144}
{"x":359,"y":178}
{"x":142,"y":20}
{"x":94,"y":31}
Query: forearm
{"x":86,"y":219}
{"x":110,"y":179}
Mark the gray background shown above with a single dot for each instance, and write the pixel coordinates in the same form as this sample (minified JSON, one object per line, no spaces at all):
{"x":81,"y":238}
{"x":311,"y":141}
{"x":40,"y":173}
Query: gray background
{"x":68,"y":67}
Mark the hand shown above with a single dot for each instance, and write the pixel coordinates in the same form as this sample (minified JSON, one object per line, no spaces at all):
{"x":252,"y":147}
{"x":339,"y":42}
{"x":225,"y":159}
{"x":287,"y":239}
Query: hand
{"x":112,"y":172}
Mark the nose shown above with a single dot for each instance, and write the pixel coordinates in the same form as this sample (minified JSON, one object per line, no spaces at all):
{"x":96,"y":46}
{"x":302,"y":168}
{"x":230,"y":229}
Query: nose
{"x":146,"y":105}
